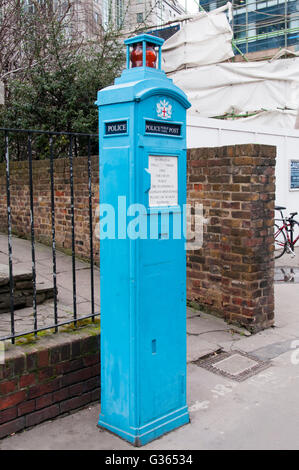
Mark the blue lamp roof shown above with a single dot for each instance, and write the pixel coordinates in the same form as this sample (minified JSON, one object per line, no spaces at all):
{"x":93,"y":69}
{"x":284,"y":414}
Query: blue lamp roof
{"x":144,"y":37}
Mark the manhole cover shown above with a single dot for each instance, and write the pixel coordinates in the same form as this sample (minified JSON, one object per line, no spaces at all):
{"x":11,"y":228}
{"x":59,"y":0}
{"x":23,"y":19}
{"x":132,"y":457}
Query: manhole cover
{"x":286,"y":274}
{"x":234,"y":365}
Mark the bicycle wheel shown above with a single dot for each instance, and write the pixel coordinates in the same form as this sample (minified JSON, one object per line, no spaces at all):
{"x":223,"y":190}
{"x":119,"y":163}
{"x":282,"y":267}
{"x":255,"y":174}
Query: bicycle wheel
{"x":280,"y":242}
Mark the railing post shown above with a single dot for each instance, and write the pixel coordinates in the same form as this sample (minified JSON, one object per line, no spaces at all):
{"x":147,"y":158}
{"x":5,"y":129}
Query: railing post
{"x":11,"y":283}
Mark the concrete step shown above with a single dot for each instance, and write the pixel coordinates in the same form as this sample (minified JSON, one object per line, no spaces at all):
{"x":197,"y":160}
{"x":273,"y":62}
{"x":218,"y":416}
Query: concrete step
{"x":23,"y":289}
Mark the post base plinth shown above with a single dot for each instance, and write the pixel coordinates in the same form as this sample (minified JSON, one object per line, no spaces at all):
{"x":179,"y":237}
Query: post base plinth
{"x":147,"y":433}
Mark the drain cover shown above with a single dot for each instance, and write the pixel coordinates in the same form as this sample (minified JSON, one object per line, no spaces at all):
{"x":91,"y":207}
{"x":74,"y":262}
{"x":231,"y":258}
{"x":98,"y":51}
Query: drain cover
{"x":234,"y":365}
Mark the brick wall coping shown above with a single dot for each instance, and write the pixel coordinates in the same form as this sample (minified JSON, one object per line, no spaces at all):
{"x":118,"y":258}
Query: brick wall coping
{"x":55,"y":375}
{"x":29,"y":355}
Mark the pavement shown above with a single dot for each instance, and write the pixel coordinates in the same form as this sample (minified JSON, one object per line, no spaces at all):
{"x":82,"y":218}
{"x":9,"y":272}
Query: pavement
{"x":260,"y":412}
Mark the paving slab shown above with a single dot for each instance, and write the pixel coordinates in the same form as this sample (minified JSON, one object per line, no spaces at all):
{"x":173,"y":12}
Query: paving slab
{"x":192,"y":312}
{"x":273,"y":350}
{"x":83,"y":308}
{"x":3,"y":258}
{"x":286,"y":304}
{"x":83,"y":284}
{"x":63,"y":263}
{"x":205,"y":322}
{"x":198,"y":348}
{"x":20,"y":272}
{"x":256,"y":341}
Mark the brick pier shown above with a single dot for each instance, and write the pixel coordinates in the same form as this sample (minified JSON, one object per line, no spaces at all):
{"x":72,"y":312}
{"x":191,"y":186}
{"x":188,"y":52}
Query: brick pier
{"x":232,"y":274}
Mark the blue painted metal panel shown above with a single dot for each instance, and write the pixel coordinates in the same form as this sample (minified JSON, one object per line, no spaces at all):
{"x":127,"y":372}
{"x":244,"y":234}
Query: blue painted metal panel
{"x":143,"y":280}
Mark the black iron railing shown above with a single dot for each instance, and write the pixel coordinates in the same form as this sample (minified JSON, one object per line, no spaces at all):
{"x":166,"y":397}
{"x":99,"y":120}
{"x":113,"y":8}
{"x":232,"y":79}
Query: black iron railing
{"x":29,"y":145}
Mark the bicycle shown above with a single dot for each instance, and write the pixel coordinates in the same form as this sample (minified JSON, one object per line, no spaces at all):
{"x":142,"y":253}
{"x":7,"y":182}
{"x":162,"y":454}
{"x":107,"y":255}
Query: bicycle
{"x":284,"y":234}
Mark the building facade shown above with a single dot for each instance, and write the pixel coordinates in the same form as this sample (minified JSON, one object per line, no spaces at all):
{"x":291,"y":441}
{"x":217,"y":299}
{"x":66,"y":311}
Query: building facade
{"x":153,"y":12}
{"x":89,"y":17}
{"x":261,"y":25}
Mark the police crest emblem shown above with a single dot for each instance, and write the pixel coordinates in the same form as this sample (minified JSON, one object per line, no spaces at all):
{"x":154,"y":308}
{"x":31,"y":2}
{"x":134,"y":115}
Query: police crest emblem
{"x":164,"y":109}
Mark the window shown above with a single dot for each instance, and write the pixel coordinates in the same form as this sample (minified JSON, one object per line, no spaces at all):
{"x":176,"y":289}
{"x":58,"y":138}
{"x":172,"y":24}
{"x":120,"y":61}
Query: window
{"x":119,"y":13}
{"x":240,"y":33}
{"x":28,"y":6}
{"x":268,"y":28}
{"x":106,"y":12}
{"x":96,"y":18}
{"x":139,"y":17}
{"x":221,"y":3}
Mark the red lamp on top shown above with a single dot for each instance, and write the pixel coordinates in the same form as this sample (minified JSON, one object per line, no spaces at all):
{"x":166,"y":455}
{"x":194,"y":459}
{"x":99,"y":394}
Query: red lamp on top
{"x":136,"y":56}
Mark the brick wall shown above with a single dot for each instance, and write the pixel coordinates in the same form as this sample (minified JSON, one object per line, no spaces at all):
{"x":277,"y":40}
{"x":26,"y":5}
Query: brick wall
{"x":20,"y":201}
{"x":41,"y":382}
{"x":232,"y":274}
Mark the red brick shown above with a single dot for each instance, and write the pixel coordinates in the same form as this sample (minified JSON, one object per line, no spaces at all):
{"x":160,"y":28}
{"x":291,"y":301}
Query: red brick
{"x":12,"y":400}
{"x":55,"y":354}
{"x":8,"y":387}
{"x":78,"y":376}
{"x":42,"y":415}
{"x":43,"y":358}
{"x":76,"y":389}
{"x":12,"y":427}
{"x":44,"y":401}
{"x":91,"y":384}
{"x":74,"y":403}
{"x":69,"y":366}
{"x":8,"y":415}
{"x":31,"y":361}
{"x":90,"y":344}
{"x":27,"y":380}
{"x":46,"y":374}
{"x":26,"y":407}
{"x":91,"y":360}
{"x":65,"y":352}
{"x":60,"y":395}
{"x":19,"y":365}
{"x":96,"y":394}
{"x":43,"y":389}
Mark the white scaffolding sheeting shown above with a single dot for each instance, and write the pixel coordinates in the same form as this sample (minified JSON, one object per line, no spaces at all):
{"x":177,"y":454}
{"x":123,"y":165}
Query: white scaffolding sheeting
{"x":263,"y":92}
{"x":205,"y":39}
{"x":244,"y":87}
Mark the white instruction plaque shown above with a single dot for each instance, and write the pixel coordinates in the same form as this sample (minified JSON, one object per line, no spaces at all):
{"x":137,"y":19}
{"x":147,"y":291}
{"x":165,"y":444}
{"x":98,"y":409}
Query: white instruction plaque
{"x":164,"y":180}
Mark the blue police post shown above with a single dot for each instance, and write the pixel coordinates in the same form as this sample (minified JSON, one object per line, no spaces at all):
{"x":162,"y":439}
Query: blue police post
{"x":142,"y":132}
